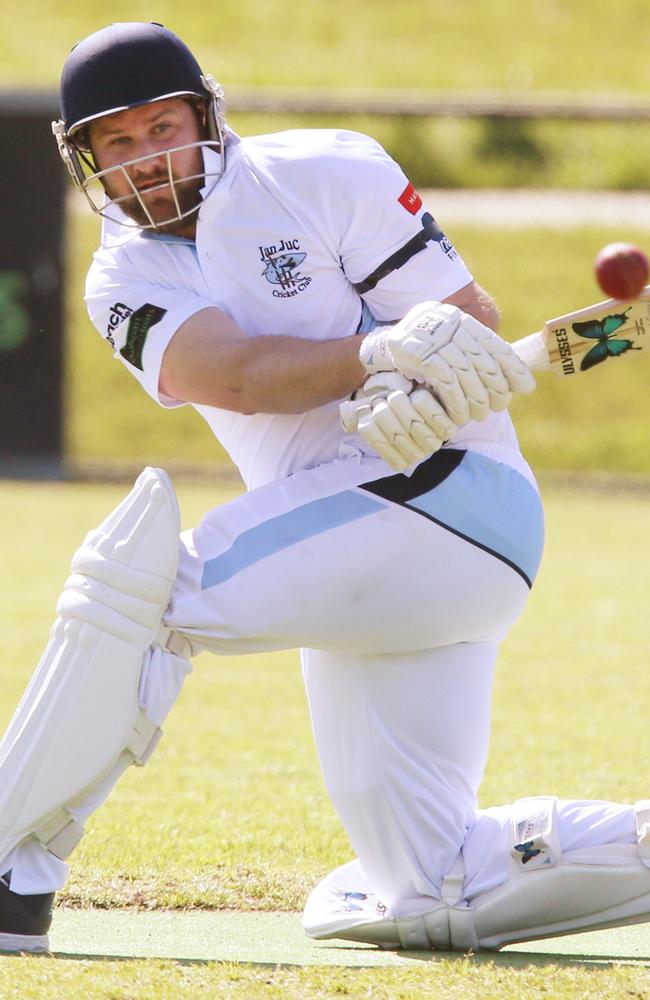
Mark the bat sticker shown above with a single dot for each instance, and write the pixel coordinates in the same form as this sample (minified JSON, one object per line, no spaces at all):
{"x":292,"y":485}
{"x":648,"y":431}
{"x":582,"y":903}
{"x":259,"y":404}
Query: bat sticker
{"x":603,"y":331}
{"x":528,"y":851}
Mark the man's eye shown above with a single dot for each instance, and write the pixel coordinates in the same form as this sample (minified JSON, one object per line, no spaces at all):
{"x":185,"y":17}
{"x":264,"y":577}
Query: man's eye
{"x":162,"y":127}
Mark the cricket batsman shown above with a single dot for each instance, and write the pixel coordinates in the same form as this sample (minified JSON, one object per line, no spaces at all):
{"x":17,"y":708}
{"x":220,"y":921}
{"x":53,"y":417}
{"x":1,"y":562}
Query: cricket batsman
{"x":295,"y":291}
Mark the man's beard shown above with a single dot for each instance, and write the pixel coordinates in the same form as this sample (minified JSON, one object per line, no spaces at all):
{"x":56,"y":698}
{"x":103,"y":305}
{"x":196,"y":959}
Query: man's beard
{"x":188,"y":198}
{"x":187,"y":194}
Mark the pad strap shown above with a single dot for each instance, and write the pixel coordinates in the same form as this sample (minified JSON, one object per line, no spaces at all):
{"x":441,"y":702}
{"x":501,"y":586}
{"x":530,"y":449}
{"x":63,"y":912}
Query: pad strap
{"x":451,"y":889}
{"x":642,"y":814}
{"x":173,"y":642}
{"x":461,"y":933}
{"x":60,"y":834}
{"x":144,"y":739}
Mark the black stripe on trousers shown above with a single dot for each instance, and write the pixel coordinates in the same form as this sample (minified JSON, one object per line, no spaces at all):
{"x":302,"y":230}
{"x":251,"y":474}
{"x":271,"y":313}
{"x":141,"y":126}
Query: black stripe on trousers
{"x":429,"y":474}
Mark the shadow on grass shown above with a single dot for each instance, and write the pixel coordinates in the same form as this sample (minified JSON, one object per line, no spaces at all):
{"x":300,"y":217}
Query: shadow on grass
{"x":512,"y":959}
{"x":505,"y":960}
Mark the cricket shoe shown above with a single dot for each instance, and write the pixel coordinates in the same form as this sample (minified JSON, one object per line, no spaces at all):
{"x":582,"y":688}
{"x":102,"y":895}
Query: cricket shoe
{"x":24,"y":920}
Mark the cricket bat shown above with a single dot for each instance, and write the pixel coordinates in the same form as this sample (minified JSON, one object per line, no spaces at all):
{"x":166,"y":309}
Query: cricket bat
{"x":580,"y":340}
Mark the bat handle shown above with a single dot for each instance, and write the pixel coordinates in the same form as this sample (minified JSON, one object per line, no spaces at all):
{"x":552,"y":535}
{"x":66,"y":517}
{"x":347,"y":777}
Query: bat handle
{"x":532,"y":351}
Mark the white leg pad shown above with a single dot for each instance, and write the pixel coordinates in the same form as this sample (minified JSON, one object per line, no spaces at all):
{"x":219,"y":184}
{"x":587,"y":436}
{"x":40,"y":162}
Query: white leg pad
{"x":587,"y":889}
{"x":546,"y":894}
{"x":80,"y":712}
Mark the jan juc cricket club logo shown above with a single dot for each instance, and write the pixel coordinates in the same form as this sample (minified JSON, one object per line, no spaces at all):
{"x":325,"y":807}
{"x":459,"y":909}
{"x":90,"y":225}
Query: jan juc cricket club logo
{"x":282,"y":268}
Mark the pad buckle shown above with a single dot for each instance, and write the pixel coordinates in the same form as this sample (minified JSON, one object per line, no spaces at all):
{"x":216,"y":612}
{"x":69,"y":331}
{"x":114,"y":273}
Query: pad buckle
{"x":172,"y":641}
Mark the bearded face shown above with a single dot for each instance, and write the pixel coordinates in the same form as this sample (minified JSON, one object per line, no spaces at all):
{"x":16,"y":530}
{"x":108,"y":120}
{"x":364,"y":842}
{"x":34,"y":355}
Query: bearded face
{"x":150,"y":163}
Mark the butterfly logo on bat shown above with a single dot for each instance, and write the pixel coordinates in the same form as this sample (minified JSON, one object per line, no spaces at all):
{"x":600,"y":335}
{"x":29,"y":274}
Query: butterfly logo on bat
{"x":528,"y":851}
{"x":603,"y":331}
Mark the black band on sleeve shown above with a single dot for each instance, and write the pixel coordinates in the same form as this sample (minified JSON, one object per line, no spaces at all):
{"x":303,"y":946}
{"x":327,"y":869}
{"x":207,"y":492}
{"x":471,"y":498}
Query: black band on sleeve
{"x":430,"y":231}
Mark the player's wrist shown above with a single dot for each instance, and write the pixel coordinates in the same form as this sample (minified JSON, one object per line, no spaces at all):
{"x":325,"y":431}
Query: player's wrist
{"x":374,"y":352}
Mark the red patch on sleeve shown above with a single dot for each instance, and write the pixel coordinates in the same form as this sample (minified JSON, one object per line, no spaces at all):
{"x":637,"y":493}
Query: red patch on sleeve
{"x":410,"y":199}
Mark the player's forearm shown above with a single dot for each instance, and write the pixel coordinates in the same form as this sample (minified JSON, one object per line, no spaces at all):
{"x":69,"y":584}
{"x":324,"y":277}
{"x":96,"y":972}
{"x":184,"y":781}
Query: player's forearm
{"x":475,"y":300}
{"x":210,"y":361}
{"x":291,"y":375}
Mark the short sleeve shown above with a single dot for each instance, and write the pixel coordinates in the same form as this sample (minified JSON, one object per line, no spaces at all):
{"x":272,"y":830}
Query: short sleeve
{"x":392,"y":249}
{"x":137,"y":318}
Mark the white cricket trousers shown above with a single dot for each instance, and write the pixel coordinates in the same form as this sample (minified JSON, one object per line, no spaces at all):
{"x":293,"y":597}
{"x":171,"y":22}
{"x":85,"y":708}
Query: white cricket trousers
{"x":399,"y":590}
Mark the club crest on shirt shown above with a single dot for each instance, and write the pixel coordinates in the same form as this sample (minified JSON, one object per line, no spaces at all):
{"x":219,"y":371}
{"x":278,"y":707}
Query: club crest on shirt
{"x":282,"y":262}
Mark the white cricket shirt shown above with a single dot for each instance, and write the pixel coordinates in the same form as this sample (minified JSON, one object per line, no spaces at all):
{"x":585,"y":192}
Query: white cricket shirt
{"x":297,"y":219}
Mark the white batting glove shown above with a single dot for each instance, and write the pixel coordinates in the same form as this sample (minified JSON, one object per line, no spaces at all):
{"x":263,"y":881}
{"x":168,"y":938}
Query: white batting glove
{"x":469,"y":368}
{"x":404,"y":423}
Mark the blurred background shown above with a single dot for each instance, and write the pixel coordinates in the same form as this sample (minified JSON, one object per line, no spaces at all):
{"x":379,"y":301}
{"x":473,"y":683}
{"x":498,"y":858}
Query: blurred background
{"x":525,"y":127}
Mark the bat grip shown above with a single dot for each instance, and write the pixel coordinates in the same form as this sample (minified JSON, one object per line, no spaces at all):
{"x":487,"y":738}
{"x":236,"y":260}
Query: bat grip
{"x":532,"y":351}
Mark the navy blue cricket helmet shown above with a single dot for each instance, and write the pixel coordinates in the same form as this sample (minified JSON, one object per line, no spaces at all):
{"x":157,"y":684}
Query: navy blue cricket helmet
{"x":123,"y":66}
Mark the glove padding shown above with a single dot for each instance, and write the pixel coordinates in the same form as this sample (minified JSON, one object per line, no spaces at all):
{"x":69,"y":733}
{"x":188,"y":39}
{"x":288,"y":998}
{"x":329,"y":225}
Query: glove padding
{"x":468,"y":367}
{"x":403,"y":422}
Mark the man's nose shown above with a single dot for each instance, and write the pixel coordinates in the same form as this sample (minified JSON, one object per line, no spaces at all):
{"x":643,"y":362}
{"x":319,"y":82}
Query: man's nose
{"x":149,"y":161}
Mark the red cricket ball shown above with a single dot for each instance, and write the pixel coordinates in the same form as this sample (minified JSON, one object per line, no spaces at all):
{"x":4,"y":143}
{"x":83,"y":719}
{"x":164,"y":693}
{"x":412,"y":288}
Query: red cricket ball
{"x":622,"y":270}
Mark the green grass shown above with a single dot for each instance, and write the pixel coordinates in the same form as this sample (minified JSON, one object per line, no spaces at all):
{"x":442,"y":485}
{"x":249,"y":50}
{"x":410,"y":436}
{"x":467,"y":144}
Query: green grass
{"x":588,"y":45}
{"x":533,"y":49}
{"x":482,"y":152}
{"x":231,"y":812}
{"x":446,"y":979}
